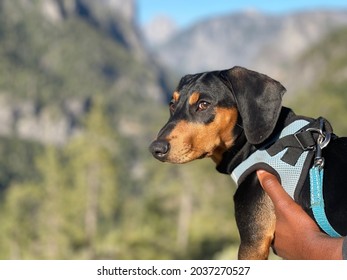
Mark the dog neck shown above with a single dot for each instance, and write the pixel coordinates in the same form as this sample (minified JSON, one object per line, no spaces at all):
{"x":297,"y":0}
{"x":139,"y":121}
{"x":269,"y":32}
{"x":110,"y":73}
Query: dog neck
{"x":242,"y":149}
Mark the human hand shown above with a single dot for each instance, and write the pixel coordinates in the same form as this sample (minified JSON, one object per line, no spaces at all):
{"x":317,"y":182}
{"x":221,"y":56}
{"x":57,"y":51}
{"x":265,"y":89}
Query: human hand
{"x":296,"y":235}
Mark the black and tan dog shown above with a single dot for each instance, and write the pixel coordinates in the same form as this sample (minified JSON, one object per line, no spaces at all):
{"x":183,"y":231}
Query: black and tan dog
{"x":229,"y":115}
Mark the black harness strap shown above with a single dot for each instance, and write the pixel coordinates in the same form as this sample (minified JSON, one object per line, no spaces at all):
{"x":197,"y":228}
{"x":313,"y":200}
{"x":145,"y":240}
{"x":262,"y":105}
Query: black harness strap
{"x":303,"y":140}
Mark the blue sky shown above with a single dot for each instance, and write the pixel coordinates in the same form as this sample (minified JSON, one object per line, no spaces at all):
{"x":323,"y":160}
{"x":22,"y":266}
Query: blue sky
{"x":184,"y":12}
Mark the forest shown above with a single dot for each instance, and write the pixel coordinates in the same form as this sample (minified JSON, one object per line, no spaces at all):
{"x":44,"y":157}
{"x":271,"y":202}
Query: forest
{"x":79,"y":109}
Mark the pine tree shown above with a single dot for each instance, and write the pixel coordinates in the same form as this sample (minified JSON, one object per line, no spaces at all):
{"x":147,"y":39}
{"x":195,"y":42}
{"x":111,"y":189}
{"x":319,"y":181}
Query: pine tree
{"x":93,"y":176}
{"x":33,"y":225}
{"x":54,"y":244}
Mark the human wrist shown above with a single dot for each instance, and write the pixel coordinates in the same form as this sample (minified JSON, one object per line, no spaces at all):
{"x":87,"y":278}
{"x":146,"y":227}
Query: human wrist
{"x":323,"y":247}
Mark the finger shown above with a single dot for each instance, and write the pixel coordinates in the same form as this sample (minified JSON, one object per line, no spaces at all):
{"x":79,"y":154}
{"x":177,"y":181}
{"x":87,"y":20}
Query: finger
{"x":273,"y":188}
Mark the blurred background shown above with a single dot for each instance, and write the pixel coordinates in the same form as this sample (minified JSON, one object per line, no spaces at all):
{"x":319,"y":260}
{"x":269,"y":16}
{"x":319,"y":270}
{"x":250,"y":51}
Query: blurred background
{"x":84,"y":87}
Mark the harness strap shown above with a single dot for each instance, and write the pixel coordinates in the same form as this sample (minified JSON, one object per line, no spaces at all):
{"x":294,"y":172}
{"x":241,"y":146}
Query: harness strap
{"x":291,"y":176}
{"x":303,"y":140}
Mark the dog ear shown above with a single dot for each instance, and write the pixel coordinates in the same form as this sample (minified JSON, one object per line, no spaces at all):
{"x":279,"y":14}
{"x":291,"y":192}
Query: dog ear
{"x":258,"y":99}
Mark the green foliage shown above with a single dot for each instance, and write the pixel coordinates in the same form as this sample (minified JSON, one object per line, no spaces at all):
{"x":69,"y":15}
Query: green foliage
{"x":327,"y":96}
{"x":93,"y":178}
{"x":17,"y":160}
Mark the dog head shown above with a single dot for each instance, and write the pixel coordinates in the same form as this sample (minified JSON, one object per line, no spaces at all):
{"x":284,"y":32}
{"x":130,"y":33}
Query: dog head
{"x":208,"y":109}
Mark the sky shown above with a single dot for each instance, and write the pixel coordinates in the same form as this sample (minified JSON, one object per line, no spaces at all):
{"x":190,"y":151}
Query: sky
{"x":185,"y":12}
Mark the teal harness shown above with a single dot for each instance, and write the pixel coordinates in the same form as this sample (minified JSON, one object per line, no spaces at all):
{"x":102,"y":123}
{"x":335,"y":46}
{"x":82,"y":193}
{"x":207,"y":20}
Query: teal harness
{"x":289,"y":156}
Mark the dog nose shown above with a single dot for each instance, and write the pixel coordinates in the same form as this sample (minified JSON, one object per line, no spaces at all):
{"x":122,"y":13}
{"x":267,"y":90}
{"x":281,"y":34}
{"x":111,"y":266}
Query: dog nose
{"x":160,"y":149}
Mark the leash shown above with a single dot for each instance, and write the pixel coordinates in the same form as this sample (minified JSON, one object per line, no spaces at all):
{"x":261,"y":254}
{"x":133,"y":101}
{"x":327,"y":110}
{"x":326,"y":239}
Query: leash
{"x":316,"y":182}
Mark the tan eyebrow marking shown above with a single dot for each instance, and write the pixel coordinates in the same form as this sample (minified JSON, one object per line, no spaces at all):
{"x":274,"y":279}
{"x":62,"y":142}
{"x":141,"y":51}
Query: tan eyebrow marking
{"x":176,"y":96}
{"x":194,"y":98}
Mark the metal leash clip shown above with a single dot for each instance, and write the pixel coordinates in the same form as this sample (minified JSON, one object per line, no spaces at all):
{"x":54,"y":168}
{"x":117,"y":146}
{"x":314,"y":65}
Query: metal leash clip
{"x":322,"y":141}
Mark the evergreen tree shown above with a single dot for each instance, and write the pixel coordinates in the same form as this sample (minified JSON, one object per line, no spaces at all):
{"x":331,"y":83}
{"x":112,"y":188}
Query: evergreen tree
{"x":93,"y":176}
{"x":33,"y":225}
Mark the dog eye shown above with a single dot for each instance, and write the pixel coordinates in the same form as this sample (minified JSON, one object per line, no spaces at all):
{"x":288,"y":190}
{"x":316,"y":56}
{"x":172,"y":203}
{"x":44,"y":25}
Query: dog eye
{"x":172,"y":106}
{"x":203,"y":105}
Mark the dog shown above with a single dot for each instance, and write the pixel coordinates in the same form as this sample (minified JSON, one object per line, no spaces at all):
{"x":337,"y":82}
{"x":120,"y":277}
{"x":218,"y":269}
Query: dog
{"x":235,"y":117}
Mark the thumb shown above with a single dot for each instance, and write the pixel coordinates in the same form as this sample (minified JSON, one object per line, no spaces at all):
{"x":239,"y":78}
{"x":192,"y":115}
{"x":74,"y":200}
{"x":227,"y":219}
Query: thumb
{"x":273,"y":188}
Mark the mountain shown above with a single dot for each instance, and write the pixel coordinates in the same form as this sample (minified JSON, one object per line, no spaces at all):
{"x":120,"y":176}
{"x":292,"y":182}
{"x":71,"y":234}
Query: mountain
{"x":159,"y":30}
{"x":322,"y":73}
{"x":56,"y":55}
{"x":263,"y":42}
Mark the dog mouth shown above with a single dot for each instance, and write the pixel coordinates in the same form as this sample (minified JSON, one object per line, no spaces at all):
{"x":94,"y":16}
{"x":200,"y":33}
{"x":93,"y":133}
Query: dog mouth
{"x":163,"y":151}
{"x":204,"y":155}
{"x":185,"y":157}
